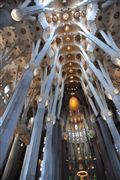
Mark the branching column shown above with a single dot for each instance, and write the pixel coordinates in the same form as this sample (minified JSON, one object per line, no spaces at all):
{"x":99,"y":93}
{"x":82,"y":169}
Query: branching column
{"x":104,"y":111}
{"x":104,"y":79}
{"x":115,"y":163}
{"x":47,"y":170}
{"x":110,"y":48}
{"x":31,"y":156}
{"x":11,"y":115}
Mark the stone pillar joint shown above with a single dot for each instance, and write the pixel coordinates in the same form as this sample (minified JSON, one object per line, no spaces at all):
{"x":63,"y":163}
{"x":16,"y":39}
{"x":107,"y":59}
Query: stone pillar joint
{"x":51,"y":119}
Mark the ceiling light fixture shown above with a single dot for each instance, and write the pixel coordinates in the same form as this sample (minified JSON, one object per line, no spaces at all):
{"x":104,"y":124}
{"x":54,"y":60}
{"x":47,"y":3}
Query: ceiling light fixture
{"x":68,"y":48}
{"x":67,"y":28}
{"x":71,"y":77}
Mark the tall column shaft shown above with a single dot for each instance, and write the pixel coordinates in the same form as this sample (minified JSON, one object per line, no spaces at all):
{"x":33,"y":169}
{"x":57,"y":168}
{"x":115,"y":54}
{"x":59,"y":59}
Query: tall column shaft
{"x":100,"y":171}
{"x":46,"y":169}
{"x":13,"y":162}
{"x":31,"y":156}
{"x":110,"y":148}
{"x":54,"y":152}
{"x":104,"y":155}
{"x":64,"y":162}
{"x":11,"y":115}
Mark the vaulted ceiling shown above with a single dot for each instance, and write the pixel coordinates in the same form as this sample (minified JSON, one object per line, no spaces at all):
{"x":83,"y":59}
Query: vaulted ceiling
{"x":17,"y":37}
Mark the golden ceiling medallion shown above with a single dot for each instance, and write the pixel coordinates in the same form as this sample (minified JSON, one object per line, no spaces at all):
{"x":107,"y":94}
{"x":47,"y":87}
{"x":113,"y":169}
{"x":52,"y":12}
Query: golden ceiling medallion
{"x":54,"y":18}
{"x":65,"y":16}
{"x":67,"y":39}
{"x":77,"y":14}
{"x":73,"y":103}
{"x":70,"y":71}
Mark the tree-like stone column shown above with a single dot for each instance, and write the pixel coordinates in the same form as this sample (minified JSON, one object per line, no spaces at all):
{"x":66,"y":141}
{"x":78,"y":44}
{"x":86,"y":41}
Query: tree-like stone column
{"x":11,"y":115}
